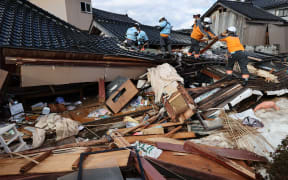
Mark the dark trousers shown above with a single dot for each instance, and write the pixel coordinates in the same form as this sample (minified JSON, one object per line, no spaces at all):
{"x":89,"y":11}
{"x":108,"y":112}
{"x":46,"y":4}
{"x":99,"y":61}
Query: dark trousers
{"x":131,"y":43}
{"x":195,"y":46}
{"x":241,"y":58}
{"x":165,"y":44}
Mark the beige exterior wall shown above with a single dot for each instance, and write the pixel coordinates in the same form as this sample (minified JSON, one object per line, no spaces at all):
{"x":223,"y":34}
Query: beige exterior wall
{"x":77,"y":18}
{"x":55,"y":7}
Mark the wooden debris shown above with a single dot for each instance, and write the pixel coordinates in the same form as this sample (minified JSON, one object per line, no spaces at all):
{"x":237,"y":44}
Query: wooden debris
{"x":132,"y":139}
{"x":3,"y":76}
{"x":223,"y":161}
{"x":128,"y":91}
{"x":30,"y":165}
{"x":101,"y":90}
{"x":223,"y":152}
{"x":152,"y":131}
{"x":180,"y":106}
{"x":169,"y":134}
{"x":75,"y":164}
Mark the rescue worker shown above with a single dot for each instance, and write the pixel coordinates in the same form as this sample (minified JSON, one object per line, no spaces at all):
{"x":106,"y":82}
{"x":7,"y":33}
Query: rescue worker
{"x":237,"y":54}
{"x":200,"y":30}
{"x":131,"y":35}
{"x":142,"y":39}
{"x":165,"y":31}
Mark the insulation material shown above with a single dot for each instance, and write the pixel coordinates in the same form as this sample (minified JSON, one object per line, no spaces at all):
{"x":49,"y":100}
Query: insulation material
{"x":161,"y":77}
{"x":265,"y":74}
{"x":64,"y":127}
{"x":38,"y":137}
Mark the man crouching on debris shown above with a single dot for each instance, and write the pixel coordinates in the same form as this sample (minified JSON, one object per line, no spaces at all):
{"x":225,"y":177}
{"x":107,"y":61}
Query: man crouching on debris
{"x":142,"y":39}
{"x":200,"y":30}
{"x":236,"y":50}
{"x":131,"y":36}
{"x":165,"y":30}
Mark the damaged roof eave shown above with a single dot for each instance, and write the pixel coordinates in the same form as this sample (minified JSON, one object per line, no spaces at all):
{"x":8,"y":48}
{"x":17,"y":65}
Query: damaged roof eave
{"x":101,"y":28}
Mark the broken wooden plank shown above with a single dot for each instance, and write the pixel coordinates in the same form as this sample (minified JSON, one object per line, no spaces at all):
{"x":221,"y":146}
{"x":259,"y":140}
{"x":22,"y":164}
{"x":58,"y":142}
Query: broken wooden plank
{"x":195,"y":166}
{"x":3,"y":76}
{"x":75,"y":164}
{"x":101,"y":90}
{"x":152,"y":131}
{"x":128,"y":130}
{"x":80,"y":144}
{"x":229,"y":164}
{"x":132,"y":139}
{"x":26,"y":167}
{"x":209,"y":45}
{"x":236,"y":154}
{"x":173,"y":131}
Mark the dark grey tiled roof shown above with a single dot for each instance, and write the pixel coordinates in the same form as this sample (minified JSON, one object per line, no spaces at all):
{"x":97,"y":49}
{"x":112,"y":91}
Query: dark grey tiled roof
{"x":246,"y":9}
{"x":269,"y":4}
{"x":24,"y":25}
{"x":100,"y":14}
{"x":118,"y":24}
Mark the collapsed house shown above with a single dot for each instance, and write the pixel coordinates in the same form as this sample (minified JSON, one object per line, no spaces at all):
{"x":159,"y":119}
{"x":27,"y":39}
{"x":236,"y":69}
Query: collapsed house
{"x":36,"y":42}
{"x":176,"y":118}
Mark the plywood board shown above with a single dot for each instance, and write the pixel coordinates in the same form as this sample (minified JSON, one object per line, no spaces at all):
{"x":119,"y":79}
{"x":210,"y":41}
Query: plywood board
{"x":36,"y":75}
{"x":63,"y":162}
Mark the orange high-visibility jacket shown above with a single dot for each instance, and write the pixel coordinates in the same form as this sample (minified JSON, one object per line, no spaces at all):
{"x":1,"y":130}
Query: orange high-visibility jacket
{"x":233,"y":43}
{"x":198,"y":31}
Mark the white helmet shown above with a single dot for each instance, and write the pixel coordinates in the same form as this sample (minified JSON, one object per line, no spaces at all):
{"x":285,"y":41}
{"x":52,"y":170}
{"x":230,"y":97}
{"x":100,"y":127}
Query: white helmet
{"x":207,"y":20}
{"x":161,"y":18}
{"x":232,"y":29}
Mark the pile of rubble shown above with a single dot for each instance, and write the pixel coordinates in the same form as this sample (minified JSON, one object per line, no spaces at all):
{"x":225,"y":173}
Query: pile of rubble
{"x":159,"y":127}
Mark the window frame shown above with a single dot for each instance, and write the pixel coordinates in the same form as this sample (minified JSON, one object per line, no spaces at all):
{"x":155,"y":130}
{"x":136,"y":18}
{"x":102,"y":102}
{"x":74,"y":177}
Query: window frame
{"x":86,"y":5}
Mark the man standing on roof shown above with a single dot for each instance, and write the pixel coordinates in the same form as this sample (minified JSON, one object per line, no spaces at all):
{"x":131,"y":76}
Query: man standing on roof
{"x":200,"y":30}
{"x":237,"y":54}
{"x":131,"y":35}
{"x":165,"y":31}
{"x":142,"y":39}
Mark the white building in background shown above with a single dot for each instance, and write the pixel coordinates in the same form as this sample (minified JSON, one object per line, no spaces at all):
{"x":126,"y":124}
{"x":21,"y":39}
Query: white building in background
{"x":75,"y":12}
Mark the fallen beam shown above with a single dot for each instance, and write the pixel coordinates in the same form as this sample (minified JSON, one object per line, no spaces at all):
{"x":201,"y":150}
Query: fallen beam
{"x":223,"y":152}
{"x":229,"y":164}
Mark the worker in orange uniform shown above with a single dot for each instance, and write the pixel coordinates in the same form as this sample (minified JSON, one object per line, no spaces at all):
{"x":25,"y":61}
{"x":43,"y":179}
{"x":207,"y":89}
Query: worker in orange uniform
{"x":200,"y":30}
{"x":237,"y":54}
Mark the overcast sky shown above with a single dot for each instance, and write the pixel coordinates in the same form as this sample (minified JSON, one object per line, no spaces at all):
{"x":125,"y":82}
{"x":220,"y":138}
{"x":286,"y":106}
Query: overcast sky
{"x":178,"y":12}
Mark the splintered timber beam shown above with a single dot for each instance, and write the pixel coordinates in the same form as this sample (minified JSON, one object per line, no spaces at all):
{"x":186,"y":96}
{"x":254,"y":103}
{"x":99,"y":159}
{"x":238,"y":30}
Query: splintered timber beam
{"x":169,"y":134}
{"x":227,"y":163}
{"x":26,"y":167}
{"x":209,"y":45}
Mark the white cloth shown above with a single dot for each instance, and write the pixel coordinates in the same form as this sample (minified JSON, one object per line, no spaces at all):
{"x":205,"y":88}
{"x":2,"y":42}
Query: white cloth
{"x":161,"y":77}
{"x":64,"y":127}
